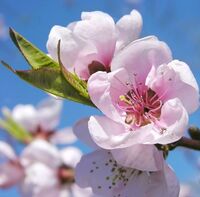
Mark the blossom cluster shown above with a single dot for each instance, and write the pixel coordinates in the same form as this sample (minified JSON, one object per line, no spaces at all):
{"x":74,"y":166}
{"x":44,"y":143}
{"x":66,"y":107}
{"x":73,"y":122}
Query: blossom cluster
{"x":42,"y":168}
{"x":145,"y":97}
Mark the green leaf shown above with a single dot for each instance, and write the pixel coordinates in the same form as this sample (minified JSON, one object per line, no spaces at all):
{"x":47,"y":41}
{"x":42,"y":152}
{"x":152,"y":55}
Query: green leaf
{"x":15,"y":130}
{"x":74,"y":80}
{"x":51,"y":80}
{"x":35,"y":57}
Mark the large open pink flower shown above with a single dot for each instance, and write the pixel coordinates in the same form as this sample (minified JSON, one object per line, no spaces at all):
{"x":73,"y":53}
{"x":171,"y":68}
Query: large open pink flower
{"x":146,"y":98}
{"x":90,"y":44}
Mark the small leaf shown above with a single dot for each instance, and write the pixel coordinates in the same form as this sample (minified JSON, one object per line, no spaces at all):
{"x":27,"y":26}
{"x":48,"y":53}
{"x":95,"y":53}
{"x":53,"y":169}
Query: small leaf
{"x":51,"y":80}
{"x":35,"y":57}
{"x":15,"y":130}
{"x":74,"y":80}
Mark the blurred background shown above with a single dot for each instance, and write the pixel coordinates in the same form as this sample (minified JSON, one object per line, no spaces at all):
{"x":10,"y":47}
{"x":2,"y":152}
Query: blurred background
{"x":173,"y":21}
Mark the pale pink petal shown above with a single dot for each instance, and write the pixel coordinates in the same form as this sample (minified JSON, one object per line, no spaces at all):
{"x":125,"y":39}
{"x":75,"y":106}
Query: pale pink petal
{"x":141,"y":157}
{"x":175,"y":80}
{"x":39,"y":178}
{"x":102,"y":173}
{"x":41,"y":151}
{"x":63,"y":136}
{"x":101,"y":87}
{"x":81,"y":130}
{"x":77,"y":191}
{"x":70,"y":45}
{"x":48,"y":112}
{"x":173,"y":184}
{"x":173,"y":122}
{"x":10,"y":174}
{"x":129,"y":28}
{"x":109,"y":134}
{"x":26,"y":116}
{"x":70,"y":156}
{"x":161,"y":183}
{"x":185,"y":191}
{"x":139,"y":56}
{"x":93,"y":170}
{"x":99,"y":28}
{"x":7,"y":152}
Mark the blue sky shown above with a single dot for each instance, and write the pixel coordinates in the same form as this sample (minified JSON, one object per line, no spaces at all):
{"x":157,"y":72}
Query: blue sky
{"x":175,"y":22}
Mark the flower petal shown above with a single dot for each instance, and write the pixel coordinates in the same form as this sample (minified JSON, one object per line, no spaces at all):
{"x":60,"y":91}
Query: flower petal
{"x":106,"y":177}
{"x":26,"y":116}
{"x":70,"y":45}
{"x":81,"y":192}
{"x":141,"y":157}
{"x":155,"y":184}
{"x":70,"y":156}
{"x":48,"y":112}
{"x":81,"y":130}
{"x":139,"y":56}
{"x":98,"y":28}
{"x":63,"y":136}
{"x":129,"y":28}
{"x":10,"y":174}
{"x":6,"y":152}
{"x":39,"y":178}
{"x":109,"y":134}
{"x":172,"y":124}
{"x":95,"y":170}
{"x":102,"y":86}
{"x":175,"y":80}
{"x":41,"y":151}
{"x":185,"y":190}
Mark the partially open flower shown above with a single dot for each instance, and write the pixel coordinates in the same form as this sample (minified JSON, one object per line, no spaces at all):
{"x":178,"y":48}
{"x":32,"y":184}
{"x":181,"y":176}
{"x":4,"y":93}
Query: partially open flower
{"x":89,"y":45}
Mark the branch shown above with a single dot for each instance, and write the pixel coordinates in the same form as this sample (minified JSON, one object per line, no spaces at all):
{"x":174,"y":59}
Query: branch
{"x":187,"y":143}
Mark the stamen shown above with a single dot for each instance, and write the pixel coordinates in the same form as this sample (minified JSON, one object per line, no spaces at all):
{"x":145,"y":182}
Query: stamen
{"x":140,"y":106}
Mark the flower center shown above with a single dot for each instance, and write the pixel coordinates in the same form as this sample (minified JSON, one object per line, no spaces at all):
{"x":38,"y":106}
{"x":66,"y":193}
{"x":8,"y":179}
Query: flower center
{"x":41,"y":134}
{"x":96,"y":66}
{"x":140,"y":107}
{"x":66,"y":174}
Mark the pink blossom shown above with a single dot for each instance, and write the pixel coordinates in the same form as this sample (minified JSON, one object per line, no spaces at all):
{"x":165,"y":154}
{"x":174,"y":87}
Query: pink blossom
{"x":100,"y":171}
{"x":145,"y":98}
{"x":41,"y":170}
{"x":90,"y":44}
{"x":42,"y":120}
{"x":50,"y":172}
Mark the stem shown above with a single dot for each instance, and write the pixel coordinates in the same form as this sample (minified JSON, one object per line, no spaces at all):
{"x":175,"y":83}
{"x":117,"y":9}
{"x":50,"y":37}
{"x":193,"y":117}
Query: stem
{"x":186,"y":142}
